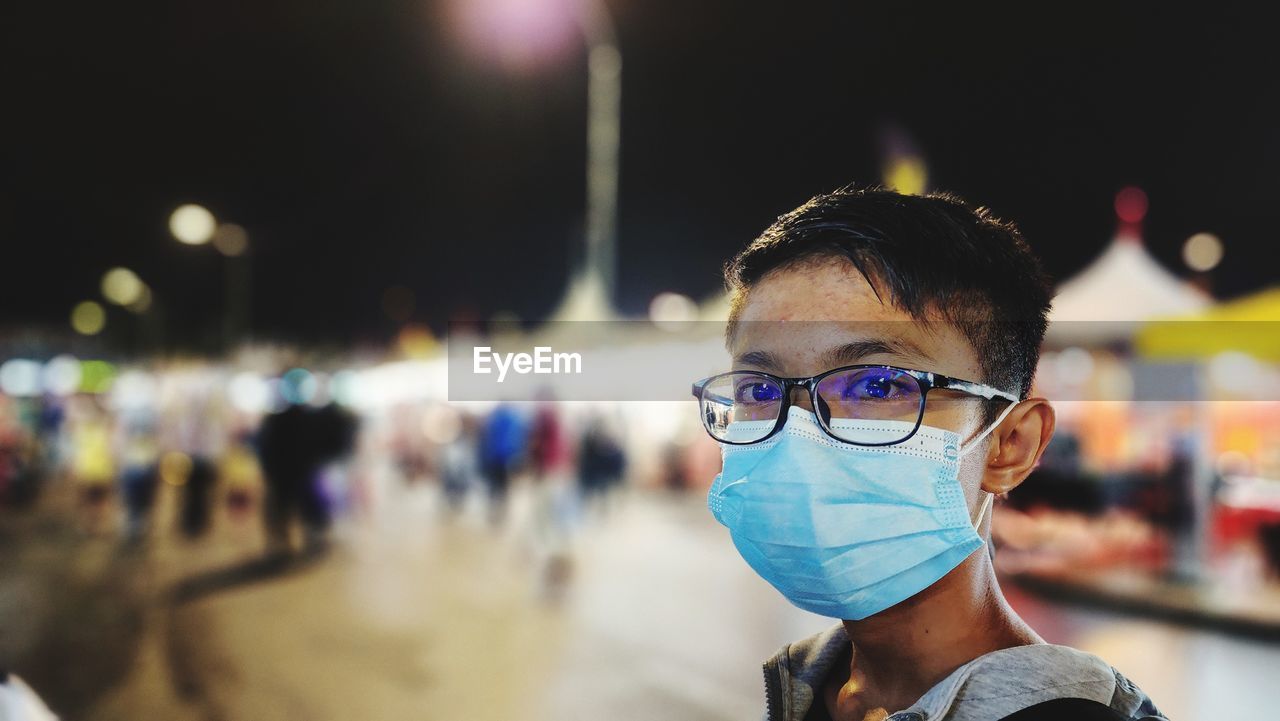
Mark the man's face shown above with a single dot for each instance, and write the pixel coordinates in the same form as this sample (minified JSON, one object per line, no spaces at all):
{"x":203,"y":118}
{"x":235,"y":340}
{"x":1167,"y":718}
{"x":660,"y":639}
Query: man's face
{"x":801,"y":321}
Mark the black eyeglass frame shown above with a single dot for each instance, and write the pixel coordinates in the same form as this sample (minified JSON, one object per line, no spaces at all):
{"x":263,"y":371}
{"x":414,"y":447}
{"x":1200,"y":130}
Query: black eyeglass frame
{"x":927,"y":380}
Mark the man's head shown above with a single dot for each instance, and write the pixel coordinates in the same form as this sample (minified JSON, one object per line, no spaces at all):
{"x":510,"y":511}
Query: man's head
{"x":932,"y":257}
{"x":923,"y":282}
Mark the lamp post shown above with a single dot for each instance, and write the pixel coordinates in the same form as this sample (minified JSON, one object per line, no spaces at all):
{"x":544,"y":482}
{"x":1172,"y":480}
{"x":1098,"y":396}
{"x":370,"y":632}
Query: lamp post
{"x":604,"y":130}
{"x":194,"y":225}
{"x":513,"y":22}
{"x":232,"y":242}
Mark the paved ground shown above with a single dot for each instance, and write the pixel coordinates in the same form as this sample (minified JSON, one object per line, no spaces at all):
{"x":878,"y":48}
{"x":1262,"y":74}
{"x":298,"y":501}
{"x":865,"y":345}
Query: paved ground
{"x":413,"y":616}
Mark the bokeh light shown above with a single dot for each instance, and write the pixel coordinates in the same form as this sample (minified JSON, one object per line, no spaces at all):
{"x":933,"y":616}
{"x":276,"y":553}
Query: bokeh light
{"x":520,"y":34}
{"x":133,"y":390}
{"x":1074,"y":366}
{"x":1202,"y":252}
{"x":175,"y":468}
{"x":249,"y":393}
{"x":344,"y":387}
{"x":1235,"y":374}
{"x":416,"y":341}
{"x":1131,"y":204}
{"x":97,"y":376}
{"x":88,"y":318}
{"x":122,"y":286}
{"x":907,"y":174}
{"x":61,"y":375}
{"x":192,"y":224}
{"x":20,"y":377}
{"x":231,"y":240}
{"x":298,"y":386}
{"x":670,"y":309}
{"x":142,"y":303}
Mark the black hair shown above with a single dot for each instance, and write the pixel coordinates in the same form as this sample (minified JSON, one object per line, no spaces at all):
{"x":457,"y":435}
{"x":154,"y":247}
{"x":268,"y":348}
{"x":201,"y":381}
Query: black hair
{"x":929,"y":254}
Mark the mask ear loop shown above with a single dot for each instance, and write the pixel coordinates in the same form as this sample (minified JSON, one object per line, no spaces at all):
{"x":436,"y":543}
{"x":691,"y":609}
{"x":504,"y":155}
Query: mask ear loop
{"x":982,"y":512}
{"x":978,"y":438}
{"x":986,"y":503}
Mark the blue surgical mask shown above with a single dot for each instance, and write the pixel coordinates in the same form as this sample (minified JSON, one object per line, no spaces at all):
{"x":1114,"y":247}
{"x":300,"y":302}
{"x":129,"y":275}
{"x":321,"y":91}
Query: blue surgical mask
{"x":842,"y":530}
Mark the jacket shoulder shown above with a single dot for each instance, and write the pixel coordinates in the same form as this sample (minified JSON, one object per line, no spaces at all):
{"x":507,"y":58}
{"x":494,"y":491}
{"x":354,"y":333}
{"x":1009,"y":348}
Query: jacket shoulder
{"x":1042,"y":676}
{"x":1130,"y":700}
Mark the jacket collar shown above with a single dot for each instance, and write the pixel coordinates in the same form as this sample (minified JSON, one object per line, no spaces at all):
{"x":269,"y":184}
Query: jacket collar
{"x":980,"y":689}
{"x":795,"y":674}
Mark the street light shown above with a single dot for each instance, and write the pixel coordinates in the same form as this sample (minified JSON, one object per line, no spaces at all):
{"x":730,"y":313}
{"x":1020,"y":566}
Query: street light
{"x":1202,"y":252}
{"x":88,"y":318}
{"x":123,"y":287}
{"x":230,"y":239}
{"x":604,"y":131}
{"x":591,"y":288}
{"x":192,"y":224}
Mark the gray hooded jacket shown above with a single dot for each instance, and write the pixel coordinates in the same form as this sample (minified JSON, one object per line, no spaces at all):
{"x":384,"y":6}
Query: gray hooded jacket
{"x":987,"y":688}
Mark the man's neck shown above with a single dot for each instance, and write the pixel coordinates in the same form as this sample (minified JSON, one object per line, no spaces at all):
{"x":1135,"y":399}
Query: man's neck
{"x":903,"y":651}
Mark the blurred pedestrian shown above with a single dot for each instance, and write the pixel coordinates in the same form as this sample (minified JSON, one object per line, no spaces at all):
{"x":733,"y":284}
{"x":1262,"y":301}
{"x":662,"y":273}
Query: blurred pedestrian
{"x":93,"y":463}
{"x":293,"y":447}
{"x":458,"y":463}
{"x":242,"y":477}
{"x":602,"y":462}
{"x":139,"y":460}
{"x":195,"y":516}
{"x":19,"y":458}
{"x":502,"y":443}
{"x":195,"y":426}
{"x":556,"y":497}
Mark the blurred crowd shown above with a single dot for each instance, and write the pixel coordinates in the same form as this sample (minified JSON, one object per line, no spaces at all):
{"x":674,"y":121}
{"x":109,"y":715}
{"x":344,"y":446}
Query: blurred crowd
{"x":297,"y":457}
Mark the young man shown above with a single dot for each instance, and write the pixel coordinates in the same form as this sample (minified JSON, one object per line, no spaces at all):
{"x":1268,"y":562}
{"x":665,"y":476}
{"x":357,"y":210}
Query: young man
{"x":883,"y":351}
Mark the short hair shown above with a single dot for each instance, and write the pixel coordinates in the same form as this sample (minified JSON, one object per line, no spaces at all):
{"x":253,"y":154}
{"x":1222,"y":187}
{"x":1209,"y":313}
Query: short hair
{"x":929,"y":253}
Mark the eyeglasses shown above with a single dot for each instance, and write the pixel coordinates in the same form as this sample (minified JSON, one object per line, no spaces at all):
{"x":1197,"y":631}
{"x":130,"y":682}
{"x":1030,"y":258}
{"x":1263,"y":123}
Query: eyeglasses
{"x":745,"y":407}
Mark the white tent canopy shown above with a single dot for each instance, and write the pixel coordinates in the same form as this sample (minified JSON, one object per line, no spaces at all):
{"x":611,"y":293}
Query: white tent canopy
{"x":585,"y":300}
{"x":1121,"y":288}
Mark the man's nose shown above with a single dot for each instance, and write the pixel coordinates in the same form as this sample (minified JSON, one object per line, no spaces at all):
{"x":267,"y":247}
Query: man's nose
{"x":800,"y":397}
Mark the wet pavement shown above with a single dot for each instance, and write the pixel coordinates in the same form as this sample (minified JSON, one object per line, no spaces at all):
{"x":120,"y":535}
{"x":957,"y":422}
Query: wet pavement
{"x":412,"y":613}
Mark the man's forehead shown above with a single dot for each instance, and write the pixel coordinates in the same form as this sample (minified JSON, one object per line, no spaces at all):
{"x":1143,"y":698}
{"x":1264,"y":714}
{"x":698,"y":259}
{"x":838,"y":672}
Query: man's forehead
{"x":828,"y":315}
{"x":779,"y":345}
{"x":821,"y":290}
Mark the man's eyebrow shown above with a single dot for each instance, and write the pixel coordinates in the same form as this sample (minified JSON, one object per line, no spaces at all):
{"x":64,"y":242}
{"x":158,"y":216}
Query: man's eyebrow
{"x":855,"y":351}
{"x":758,"y":359}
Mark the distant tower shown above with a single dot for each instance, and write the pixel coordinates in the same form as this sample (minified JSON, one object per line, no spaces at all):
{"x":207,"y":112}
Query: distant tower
{"x":590,"y":295}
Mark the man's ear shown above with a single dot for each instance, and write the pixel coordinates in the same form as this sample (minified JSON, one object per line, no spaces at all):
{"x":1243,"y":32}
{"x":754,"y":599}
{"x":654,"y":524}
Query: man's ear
{"x":1017,"y":444}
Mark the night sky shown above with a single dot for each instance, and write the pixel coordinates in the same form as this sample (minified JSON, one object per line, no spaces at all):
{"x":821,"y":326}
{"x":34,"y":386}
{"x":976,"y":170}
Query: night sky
{"x":366,"y":144}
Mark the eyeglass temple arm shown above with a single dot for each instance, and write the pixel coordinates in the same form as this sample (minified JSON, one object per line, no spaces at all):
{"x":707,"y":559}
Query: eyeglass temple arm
{"x":701,"y":393}
{"x":973,"y":389}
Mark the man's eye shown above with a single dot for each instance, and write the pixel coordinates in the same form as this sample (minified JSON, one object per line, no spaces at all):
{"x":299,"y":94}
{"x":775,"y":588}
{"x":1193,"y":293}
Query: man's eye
{"x":756,"y":392}
{"x":874,"y":388}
